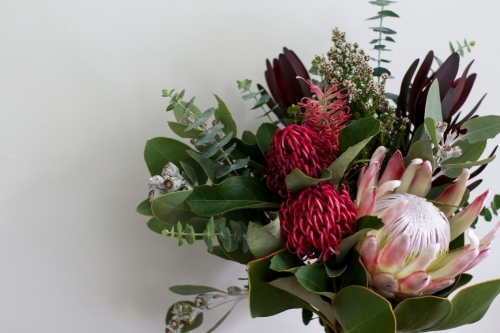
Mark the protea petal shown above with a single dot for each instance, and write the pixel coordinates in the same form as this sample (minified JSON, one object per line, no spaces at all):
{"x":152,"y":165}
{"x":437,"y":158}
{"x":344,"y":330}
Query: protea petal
{"x":414,"y":282}
{"x":393,"y":256}
{"x":455,"y":267}
{"x":369,"y":179}
{"x":453,"y":194}
{"x":437,"y":285}
{"x":386,"y":282}
{"x":378,"y":155}
{"x":421,"y":262}
{"x":369,"y":253}
{"x":387,"y":187}
{"x":461,"y":221}
{"x":394,"y":169}
{"x":408,"y":175}
{"x":393,"y":212}
{"x":480,"y":257}
{"x":486,"y":240}
{"x":422,"y":182}
{"x":367,"y":203}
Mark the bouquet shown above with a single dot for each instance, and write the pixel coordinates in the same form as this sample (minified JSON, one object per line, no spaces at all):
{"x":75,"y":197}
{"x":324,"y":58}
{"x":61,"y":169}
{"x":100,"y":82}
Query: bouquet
{"x":350,"y":203}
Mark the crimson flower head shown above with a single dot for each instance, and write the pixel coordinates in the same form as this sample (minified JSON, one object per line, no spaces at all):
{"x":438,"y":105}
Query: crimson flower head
{"x":315,"y":220}
{"x":296,"y":147}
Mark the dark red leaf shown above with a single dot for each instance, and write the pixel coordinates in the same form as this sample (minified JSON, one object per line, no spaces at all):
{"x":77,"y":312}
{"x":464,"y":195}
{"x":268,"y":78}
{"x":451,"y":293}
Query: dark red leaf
{"x":475,"y":184}
{"x":447,"y":104}
{"x":299,"y":70}
{"x":418,"y":85}
{"x":460,"y":85}
{"x":469,"y":82}
{"x":447,"y":73}
{"x":482,"y":167}
{"x":401,"y":110}
{"x":272,"y":83}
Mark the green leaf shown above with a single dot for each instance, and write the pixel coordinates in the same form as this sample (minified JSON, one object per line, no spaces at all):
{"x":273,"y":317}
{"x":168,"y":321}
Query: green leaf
{"x":144,"y":208}
{"x":481,"y":128}
{"x":355,"y":273}
{"x":191,"y":174}
{"x":266,"y":300}
{"x":358,"y":131}
{"x":297,"y":180}
{"x":231,"y":194}
{"x":261,"y":240}
{"x":347,"y":243}
{"x":470,"y":305}
{"x":262,"y":101}
{"x":209,"y":135}
{"x":452,"y":49}
{"x":430,"y":125}
{"x":384,"y":30}
{"x":420,"y":134}
{"x":311,"y":301}
{"x":201,"y":120}
{"x":196,"y":323}
{"x":160,"y":151}
{"x":471,"y":152}
{"x":238,"y":256}
{"x":369,"y":222}
{"x":222,"y":113}
{"x":335,"y":272}
{"x":188,"y":289}
{"x":172,"y":207}
{"x":388,"y":13}
{"x":284,"y":261}
{"x":208,"y":166}
{"x":265,"y":135}
{"x":251,"y":150}
{"x":454,"y":170}
{"x":198,"y":224}
{"x":360,"y":310}
{"x":313,"y":278}
{"x":180,"y":130}
{"x":306,"y":316}
{"x":496,"y":201}
{"x":244,"y":84}
{"x":487,"y":214}
{"x":422,"y":149}
{"x":249,"y":138}
{"x":340,"y":165}
{"x":433,"y":103}
{"x":419,"y":314}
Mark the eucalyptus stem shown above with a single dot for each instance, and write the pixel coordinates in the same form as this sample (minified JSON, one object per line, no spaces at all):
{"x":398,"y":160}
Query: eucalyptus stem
{"x":262,"y":106}
{"x":380,"y":42}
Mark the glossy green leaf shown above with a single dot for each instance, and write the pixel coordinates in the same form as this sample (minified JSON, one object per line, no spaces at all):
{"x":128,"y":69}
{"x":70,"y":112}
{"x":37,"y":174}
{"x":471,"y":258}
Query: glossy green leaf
{"x":314,"y":278}
{"x":196,"y":323}
{"x":231,"y":194}
{"x":144,"y":208}
{"x":188,"y":289}
{"x":180,"y":130}
{"x":249,"y":138}
{"x":419,"y":314}
{"x":420,"y":134}
{"x":312,"y":301}
{"x":335,"y":272}
{"x":251,"y":150}
{"x":297,"y":180}
{"x":422,"y":149}
{"x":360,"y":310}
{"x":265,"y":135}
{"x":340,"y":165}
{"x":159,"y":151}
{"x":347,"y":243}
{"x":266,"y":300}
{"x":481,"y":128}
{"x":191,"y":174}
{"x":238,"y":255}
{"x":358,"y":131}
{"x":222,"y":113}
{"x":470,"y":304}
{"x":172,"y":207}
{"x":355,"y":273}
{"x":378,"y":71}
{"x":263,"y":241}
{"x":433,"y":103}
{"x":455,"y":170}
{"x":284,"y":261}
{"x":369,"y":222}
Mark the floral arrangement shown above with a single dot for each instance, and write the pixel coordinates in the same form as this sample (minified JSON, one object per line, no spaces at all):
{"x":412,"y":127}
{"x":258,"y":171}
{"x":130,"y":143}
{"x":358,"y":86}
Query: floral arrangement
{"x":350,"y":203}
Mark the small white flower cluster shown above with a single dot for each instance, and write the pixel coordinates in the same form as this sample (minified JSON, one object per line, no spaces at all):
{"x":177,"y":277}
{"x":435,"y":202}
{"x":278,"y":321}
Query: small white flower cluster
{"x":184,"y":314}
{"x":447,"y":150}
{"x":170,"y":180}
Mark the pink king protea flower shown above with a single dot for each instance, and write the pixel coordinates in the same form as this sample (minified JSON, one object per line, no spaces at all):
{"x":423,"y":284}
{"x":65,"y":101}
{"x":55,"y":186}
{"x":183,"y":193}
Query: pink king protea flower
{"x":296,"y":147}
{"x":409,"y":255}
{"x":315,"y":220}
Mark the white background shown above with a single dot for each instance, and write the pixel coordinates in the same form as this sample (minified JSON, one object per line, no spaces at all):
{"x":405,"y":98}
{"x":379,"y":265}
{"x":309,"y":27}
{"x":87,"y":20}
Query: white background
{"x":80,"y":85}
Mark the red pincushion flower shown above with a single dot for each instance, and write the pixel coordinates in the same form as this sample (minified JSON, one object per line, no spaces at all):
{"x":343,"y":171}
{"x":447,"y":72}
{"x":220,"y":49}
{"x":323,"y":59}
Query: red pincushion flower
{"x":296,"y":147}
{"x":315,"y":220}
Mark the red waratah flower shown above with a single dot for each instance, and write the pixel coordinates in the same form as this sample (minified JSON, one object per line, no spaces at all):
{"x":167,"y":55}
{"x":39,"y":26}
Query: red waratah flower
{"x":315,"y":220}
{"x":296,"y":147}
{"x":327,"y":112}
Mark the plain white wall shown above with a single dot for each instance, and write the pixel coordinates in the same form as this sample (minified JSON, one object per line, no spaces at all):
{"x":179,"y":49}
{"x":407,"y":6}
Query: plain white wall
{"x":80,"y":85}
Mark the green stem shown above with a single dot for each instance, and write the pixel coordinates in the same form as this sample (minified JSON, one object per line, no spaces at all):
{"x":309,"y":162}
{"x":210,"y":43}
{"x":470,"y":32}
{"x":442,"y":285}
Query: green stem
{"x":262,"y":107}
{"x":380,"y":43}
